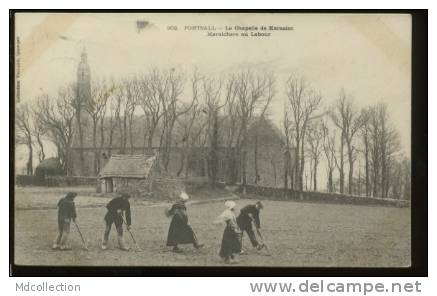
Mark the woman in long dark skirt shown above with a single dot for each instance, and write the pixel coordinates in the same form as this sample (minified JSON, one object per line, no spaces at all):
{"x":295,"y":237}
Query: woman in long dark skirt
{"x":231,"y":235}
{"x":180,"y":232}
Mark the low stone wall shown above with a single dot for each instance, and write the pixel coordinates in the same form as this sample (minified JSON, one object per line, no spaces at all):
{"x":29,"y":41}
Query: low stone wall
{"x":198,"y":183}
{"x":61,"y":181}
{"x":26,"y":180}
{"x":54,"y":181}
{"x":259,"y":192}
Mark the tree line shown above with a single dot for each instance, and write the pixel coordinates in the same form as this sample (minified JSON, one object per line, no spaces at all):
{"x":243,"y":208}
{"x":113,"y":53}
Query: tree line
{"x":194,"y":110}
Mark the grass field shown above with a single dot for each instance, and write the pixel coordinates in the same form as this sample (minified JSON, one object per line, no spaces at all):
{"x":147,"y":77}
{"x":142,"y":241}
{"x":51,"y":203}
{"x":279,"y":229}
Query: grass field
{"x":298,"y":234}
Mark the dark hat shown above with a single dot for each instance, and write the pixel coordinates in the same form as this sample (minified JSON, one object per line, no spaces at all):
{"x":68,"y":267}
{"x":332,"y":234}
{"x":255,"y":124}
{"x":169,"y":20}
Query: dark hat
{"x":260,"y":205}
{"x":71,"y":195}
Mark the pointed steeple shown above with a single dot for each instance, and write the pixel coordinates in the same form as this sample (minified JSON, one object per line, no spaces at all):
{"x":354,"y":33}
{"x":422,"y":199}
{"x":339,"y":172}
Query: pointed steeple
{"x":84,"y":56}
{"x":84,"y":78}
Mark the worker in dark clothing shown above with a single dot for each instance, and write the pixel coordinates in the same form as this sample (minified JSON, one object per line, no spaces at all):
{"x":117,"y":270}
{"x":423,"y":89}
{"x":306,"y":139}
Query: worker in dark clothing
{"x":66,"y":213}
{"x":248,"y":216}
{"x":180,"y":231}
{"x":116,"y":208}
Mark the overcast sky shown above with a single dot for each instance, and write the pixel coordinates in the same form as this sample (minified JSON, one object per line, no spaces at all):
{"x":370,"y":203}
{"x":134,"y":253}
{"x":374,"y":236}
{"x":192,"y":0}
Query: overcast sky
{"x":367,"y":55}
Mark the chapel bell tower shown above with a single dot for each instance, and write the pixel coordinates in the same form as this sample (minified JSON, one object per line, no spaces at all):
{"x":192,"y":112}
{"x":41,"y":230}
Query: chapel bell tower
{"x":84,"y":79}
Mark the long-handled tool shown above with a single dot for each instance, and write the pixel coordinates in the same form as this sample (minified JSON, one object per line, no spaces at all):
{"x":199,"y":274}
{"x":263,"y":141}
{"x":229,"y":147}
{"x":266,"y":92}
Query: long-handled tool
{"x":131,"y":234}
{"x":258,"y":232}
{"x":198,"y":245}
{"x":263,"y":241}
{"x":81,"y":236}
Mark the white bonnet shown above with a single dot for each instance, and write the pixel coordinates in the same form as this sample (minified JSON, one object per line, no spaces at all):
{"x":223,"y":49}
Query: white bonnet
{"x":184,"y":196}
{"x":230,"y":204}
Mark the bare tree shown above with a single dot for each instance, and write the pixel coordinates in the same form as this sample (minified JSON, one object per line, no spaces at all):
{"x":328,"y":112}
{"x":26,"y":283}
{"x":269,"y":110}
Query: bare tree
{"x":365,"y":134}
{"x":390,"y":146}
{"x":194,"y":139}
{"x":189,"y":136}
{"x":348,"y":120}
{"x":133,"y":95}
{"x":126,"y":97}
{"x":396,"y":180}
{"x":257,"y":125}
{"x":384,"y":145}
{"x":38,"y":132}
{"x":114,"y":105}
{"x":187,"y":122}
{"x":102,"y":126}
{"x":315,"y":142}
{"x":255,"y":91}
{"x":287,"y":157}
{"x":106,"y":124}
{"x":302,"y":102}
{"x":120,"y":120}
{"x":231,"y":128}
{"x":96,"y":108}
{"x":172,"y":108}
{"x":330,"y":155}
{"x":59,"y":116}
{"x":153,"y":89}
{"x":406,"y":178}
{"x":211,"y":93}
{"x":375,"y":150}
{"x":24,"y":133}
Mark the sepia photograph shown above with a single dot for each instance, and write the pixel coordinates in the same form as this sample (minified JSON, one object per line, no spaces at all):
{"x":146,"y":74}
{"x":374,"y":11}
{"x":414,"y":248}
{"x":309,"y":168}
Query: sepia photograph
{"x":208,"y":139}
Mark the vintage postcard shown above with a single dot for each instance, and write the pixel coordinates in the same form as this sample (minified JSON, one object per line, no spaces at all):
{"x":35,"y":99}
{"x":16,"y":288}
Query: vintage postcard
{"x":212,"y":139}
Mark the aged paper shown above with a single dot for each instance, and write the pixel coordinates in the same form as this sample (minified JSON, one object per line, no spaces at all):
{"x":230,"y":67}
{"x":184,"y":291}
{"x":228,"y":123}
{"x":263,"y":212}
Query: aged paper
{"x":309,"y":113}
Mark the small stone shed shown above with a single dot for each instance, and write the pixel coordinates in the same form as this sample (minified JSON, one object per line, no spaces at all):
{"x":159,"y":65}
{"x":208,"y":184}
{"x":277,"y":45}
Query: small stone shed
{"x":128,"y":173}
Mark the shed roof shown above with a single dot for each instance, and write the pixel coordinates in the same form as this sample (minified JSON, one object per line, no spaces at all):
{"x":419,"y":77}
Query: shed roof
{"x":128,"y":166}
